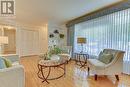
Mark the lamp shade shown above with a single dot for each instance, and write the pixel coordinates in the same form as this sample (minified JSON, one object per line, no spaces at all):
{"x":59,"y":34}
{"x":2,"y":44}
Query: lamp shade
{"x":3,"y":40}
{"x":81,"y":40}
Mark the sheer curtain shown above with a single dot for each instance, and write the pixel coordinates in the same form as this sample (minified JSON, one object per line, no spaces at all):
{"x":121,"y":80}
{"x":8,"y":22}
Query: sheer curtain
{"x":110,"y":31}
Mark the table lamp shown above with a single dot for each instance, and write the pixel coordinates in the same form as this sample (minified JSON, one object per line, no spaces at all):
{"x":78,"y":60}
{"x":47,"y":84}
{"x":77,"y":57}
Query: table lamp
{"x":3,"y":40}
{"x":81,"y":40}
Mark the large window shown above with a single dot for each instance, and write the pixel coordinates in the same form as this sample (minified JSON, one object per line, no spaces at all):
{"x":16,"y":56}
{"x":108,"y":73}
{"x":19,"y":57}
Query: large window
{"x":110,"y":31}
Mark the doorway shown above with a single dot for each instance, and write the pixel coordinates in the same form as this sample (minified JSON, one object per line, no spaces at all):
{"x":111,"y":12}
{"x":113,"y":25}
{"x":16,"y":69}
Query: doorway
{"x":10,"y":48}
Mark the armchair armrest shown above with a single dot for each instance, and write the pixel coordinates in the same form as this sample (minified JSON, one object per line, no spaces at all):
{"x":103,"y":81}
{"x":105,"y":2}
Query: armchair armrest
{"x":12,"y":77}
{"x":93,"y":57}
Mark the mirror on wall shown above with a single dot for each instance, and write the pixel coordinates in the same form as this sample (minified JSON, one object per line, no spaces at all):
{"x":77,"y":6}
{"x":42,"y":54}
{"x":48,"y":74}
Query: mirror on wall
{"x":9,"y":32}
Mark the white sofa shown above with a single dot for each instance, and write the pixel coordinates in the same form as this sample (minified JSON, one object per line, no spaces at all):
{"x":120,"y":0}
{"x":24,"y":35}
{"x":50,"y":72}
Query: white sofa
{"x":13,"y":76}
{"x":115,"y":67}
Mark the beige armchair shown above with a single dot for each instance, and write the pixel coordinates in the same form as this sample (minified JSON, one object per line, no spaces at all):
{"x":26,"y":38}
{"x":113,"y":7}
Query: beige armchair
{"x":115,"y":67}
{"x":13,"y":76}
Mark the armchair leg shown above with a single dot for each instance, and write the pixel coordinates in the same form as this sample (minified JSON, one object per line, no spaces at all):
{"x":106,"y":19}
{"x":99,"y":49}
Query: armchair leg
{"x":96,"y":77}
{"x":117,"y":77}
{"x":67,"y":62}
{"x":88,"y":70}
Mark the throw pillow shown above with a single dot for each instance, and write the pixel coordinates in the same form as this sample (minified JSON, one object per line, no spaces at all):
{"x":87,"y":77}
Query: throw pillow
{"x":8,"y":63}
{"x":106,"y":58}
{"x":100,"y":54}
{"x":2,"y":63}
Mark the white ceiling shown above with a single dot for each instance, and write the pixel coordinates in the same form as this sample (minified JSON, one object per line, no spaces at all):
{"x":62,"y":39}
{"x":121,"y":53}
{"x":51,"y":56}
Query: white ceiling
{"x":60,"y":11}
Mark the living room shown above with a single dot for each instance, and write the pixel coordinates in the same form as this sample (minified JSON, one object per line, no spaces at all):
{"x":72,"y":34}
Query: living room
{"x":64,"y":43}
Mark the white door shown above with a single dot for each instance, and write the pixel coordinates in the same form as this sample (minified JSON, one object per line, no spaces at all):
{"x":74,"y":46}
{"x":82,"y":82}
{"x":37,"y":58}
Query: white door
{"x":29,"y":42}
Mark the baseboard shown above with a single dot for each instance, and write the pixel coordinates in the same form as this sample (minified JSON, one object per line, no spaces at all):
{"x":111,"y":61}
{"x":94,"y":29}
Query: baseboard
{"x":28,"y":56}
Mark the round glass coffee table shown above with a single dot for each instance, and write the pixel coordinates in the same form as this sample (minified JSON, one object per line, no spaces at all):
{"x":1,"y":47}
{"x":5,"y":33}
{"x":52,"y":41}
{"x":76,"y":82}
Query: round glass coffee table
{"x":48,"y":65}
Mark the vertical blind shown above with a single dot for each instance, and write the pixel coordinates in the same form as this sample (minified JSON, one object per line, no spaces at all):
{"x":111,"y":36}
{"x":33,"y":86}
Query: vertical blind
{"x":109,"y":31}
{"x":70,"y":38}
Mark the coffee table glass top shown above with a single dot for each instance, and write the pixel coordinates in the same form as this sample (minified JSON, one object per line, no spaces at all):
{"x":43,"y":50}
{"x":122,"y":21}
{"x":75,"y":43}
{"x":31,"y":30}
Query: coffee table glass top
{"x":53,"y":62}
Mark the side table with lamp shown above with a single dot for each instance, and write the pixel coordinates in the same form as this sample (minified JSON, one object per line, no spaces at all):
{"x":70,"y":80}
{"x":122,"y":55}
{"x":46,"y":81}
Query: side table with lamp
{"x":81,"y":57}
{"x":82,"y":41}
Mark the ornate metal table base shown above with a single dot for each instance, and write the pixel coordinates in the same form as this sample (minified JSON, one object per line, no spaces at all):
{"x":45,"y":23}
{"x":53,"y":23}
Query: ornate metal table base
{"x":81,"y":62}
{"x":42,"y":76}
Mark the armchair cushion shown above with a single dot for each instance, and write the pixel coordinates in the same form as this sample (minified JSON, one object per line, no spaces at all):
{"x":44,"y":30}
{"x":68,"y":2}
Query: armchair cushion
{"x":93,"y":57}
{"x":105,"y":58}
{"x":12,"y":57}
{"x":96,"y":63}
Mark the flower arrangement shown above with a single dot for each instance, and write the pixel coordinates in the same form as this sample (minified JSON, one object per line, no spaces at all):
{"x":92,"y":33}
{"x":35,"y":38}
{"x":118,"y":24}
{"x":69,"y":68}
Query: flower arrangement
{"x":53,"y":51}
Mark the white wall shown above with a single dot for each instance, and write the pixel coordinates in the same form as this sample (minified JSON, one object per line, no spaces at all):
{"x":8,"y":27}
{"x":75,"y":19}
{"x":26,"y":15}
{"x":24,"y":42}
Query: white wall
{"x":11,"y":47}
{"x":62,"y":29}
{"x":43,"y":38}
{"x":1,"y":34}
{"x":30,"y":40}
